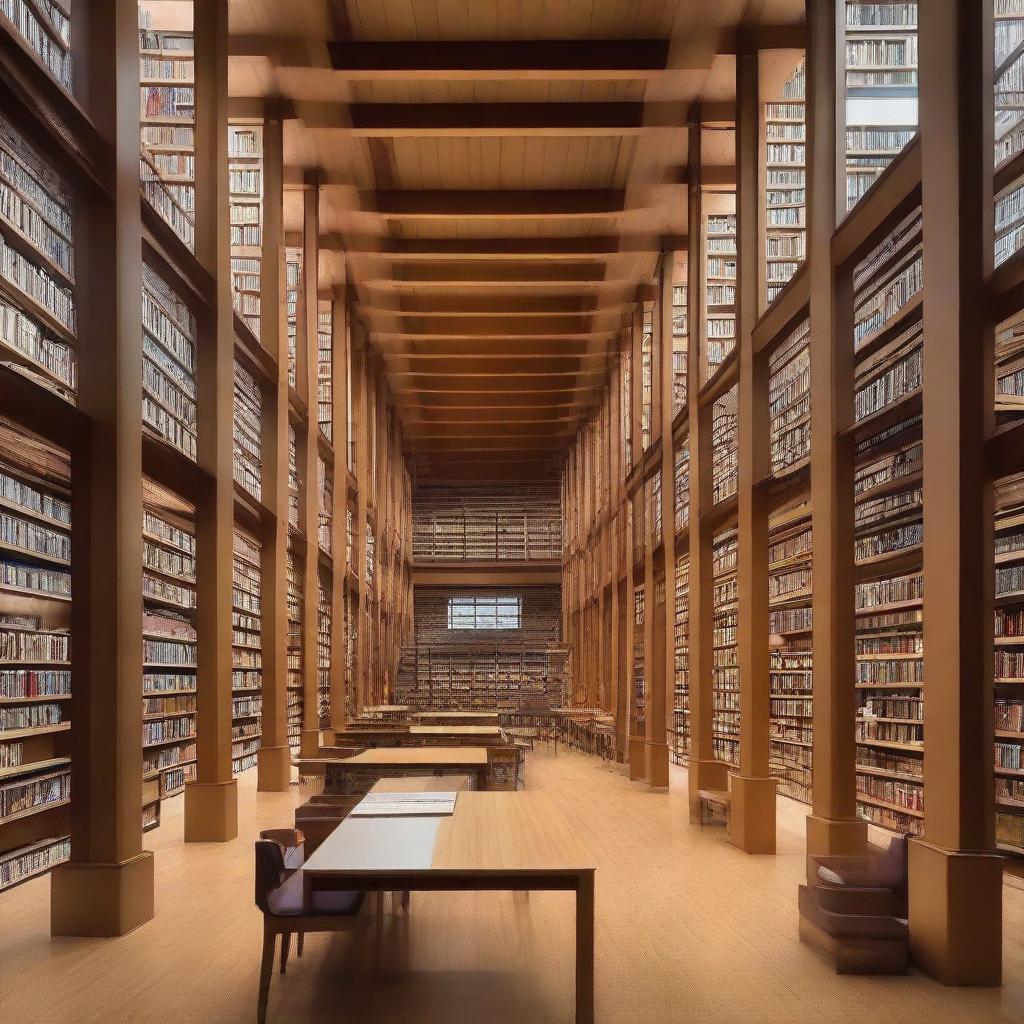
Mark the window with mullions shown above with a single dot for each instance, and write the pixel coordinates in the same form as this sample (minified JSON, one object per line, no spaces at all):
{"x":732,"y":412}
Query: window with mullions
{"x":484,"y":612}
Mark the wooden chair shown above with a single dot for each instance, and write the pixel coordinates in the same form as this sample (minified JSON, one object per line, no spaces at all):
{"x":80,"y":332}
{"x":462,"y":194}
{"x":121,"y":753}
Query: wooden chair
{"x":292,"y":842}
{"x":280,"y":896}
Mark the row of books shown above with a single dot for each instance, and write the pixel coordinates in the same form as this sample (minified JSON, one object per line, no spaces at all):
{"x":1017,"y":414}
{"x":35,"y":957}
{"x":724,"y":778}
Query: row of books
{"x":17,"y":798}
{"x":23,"y":576}
{"x":34,"y":859}
{"x":30,"y":716}
{"x":48,"y":35}
{"x":30,"y":682}
{"x":248,"y":412}
{"x":724,"y":454}
{"x":247,"y":658}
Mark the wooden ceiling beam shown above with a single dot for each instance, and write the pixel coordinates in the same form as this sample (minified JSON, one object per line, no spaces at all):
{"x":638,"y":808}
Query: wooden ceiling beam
{"x":528,"y":401}
{"x":596,"y":246}
{"x":492,"y":272}
{"x":457,"y":306}
{"x":487,"y":204}
{"x":488,"y":328}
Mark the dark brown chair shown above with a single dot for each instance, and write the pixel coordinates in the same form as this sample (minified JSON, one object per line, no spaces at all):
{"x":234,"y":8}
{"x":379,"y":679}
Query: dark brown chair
{"x":280,"y":896}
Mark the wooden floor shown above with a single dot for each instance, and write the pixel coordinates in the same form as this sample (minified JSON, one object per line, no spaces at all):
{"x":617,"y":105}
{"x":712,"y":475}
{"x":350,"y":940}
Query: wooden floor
{"x":688,"y":929}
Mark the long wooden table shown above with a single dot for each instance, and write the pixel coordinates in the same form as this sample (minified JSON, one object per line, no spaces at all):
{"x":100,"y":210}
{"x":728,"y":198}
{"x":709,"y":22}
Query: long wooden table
{"x":418,"y":735}
{"x":343,"y":776}
{"x":493,"y":842}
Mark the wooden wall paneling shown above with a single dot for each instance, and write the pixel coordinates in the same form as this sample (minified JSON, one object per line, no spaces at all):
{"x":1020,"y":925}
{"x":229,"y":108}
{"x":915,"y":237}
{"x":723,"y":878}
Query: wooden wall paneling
{"x":833,"y":826}
{"x":211,"y":801}
{"x":705,"y":772}
{"x":307,"y":434}
{"x":339,"y":447}
{"x":274,"y":756}
{"x":657,"y":735}
{"x":956,"y":888}
{"x":752,"y":814}
{"x":107,"y":887}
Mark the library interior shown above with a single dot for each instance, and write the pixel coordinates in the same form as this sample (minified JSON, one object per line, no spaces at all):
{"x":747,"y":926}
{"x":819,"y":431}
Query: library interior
{"x":463,"y":551}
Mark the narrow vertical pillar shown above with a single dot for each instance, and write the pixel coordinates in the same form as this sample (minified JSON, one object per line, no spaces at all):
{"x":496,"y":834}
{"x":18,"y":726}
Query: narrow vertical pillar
{"x":614,"y":512}
{"x":308,"y":439}
{"x":637,"y":739}
{"x":339,"y":444}
{"x":705,"y":771}
{"x":273,"y":763}
{"x":107,"y":887}
{"x":752,"y":816}
{"x":955,"y":877}
{"x":211,"y":801}
{"x":832,"y":827}
{"x":664,"y":656}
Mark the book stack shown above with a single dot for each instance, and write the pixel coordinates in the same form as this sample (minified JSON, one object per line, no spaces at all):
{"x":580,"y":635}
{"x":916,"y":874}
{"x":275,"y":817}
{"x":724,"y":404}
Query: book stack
{"x":725,"y":672}
{"x":881,"y":89}
{"x":293,"y":284}
{"x":680,"y":338}
{"x":169,"y":659}
{"x":325,"y":368}
{"x":45,"y":25}
{"x":789,"y":402}
{"x":679,"y":731}
{"x":246,"y":649}
{"x":294,"y":598}
{"x":168,"y":365}
{"x":791,"y":675}
{"x":323,"y":648}
{"x":245,"y":179}
{"x":720,"y":268}
{"x":248,"y":446}
{"x":724,"y":456}
{"x":167,"y":115}
{"x":785,"y":184}
{"x":37,"y":266}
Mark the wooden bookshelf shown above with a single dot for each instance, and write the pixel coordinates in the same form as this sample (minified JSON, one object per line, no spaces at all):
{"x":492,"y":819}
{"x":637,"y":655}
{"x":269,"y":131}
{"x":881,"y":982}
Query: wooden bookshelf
{"x":247,"y":656}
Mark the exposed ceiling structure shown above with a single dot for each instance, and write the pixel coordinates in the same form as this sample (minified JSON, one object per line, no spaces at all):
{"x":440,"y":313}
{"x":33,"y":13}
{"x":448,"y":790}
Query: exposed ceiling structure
{"x":498,"y":179}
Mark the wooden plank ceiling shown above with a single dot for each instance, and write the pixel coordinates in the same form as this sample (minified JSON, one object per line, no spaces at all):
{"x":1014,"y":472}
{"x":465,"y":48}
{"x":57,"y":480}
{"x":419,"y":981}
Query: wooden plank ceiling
{"x":498,"y":179}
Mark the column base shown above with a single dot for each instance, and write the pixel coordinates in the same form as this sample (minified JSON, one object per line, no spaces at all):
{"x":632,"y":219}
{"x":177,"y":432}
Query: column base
{"x":752,"y":813}
{"x":211,"y":811}
{"x":309,"y":743}
{"x":274,"y":769}
{"x":704,"y":775}
{"x":657,"y":765}
{"x":956,"y":914}
{"x":101,"y":900}
{"x":637,"y":759}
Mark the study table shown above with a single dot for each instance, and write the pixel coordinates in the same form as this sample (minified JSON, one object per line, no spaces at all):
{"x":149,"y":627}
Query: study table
{"x":456,"y":717}
{"x":358,"y":773}
{"x":492,"y":842}
{"x":419,"y":735}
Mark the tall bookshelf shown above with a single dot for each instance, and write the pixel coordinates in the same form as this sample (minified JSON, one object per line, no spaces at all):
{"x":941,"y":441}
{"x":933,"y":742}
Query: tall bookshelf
{"x":724,"y":455}
{"x":881,"y":89}
{"x":647,"y":378}
{"x":293,"y":285}
{"x":1009,"y":127}
{"x":246,"y":651}
{"x":325,"y":510}
{"x":325,"y":369}
{"x":294,"y":480}
{"x":725,"y":689}
{"x":247,"y":429}
{"x":245,"y":193}
{"x":1009,"y":371}
{"x":167,"y":113}
{"x":169,"y":665}
{"x":45,"y":26}
{"x":679,"y":736}
{"x":296,"y":608}
{"x":680,"y":335}
{"x":791,"y":675}
{"x":35,"y":654}
{"x":789,"y":402}
{"x":637,"y":725}
{"x":37,"y":267}
{"x":785,"y":192}
{"x":323,"y":647}
{"x":1009,"y":664}
{"x":168,"y":365}
{"x":720,"y":270}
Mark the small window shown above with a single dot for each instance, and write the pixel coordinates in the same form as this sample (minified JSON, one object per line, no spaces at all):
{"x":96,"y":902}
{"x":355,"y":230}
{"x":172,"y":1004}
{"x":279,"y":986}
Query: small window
{"x":484,"y":612}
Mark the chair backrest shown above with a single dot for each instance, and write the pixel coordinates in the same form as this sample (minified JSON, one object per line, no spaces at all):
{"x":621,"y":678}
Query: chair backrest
{"x":269,"y":871}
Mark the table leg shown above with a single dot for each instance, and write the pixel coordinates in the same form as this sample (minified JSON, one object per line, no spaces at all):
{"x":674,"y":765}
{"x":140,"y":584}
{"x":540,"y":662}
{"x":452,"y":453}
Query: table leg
{"x":585,"y":949}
